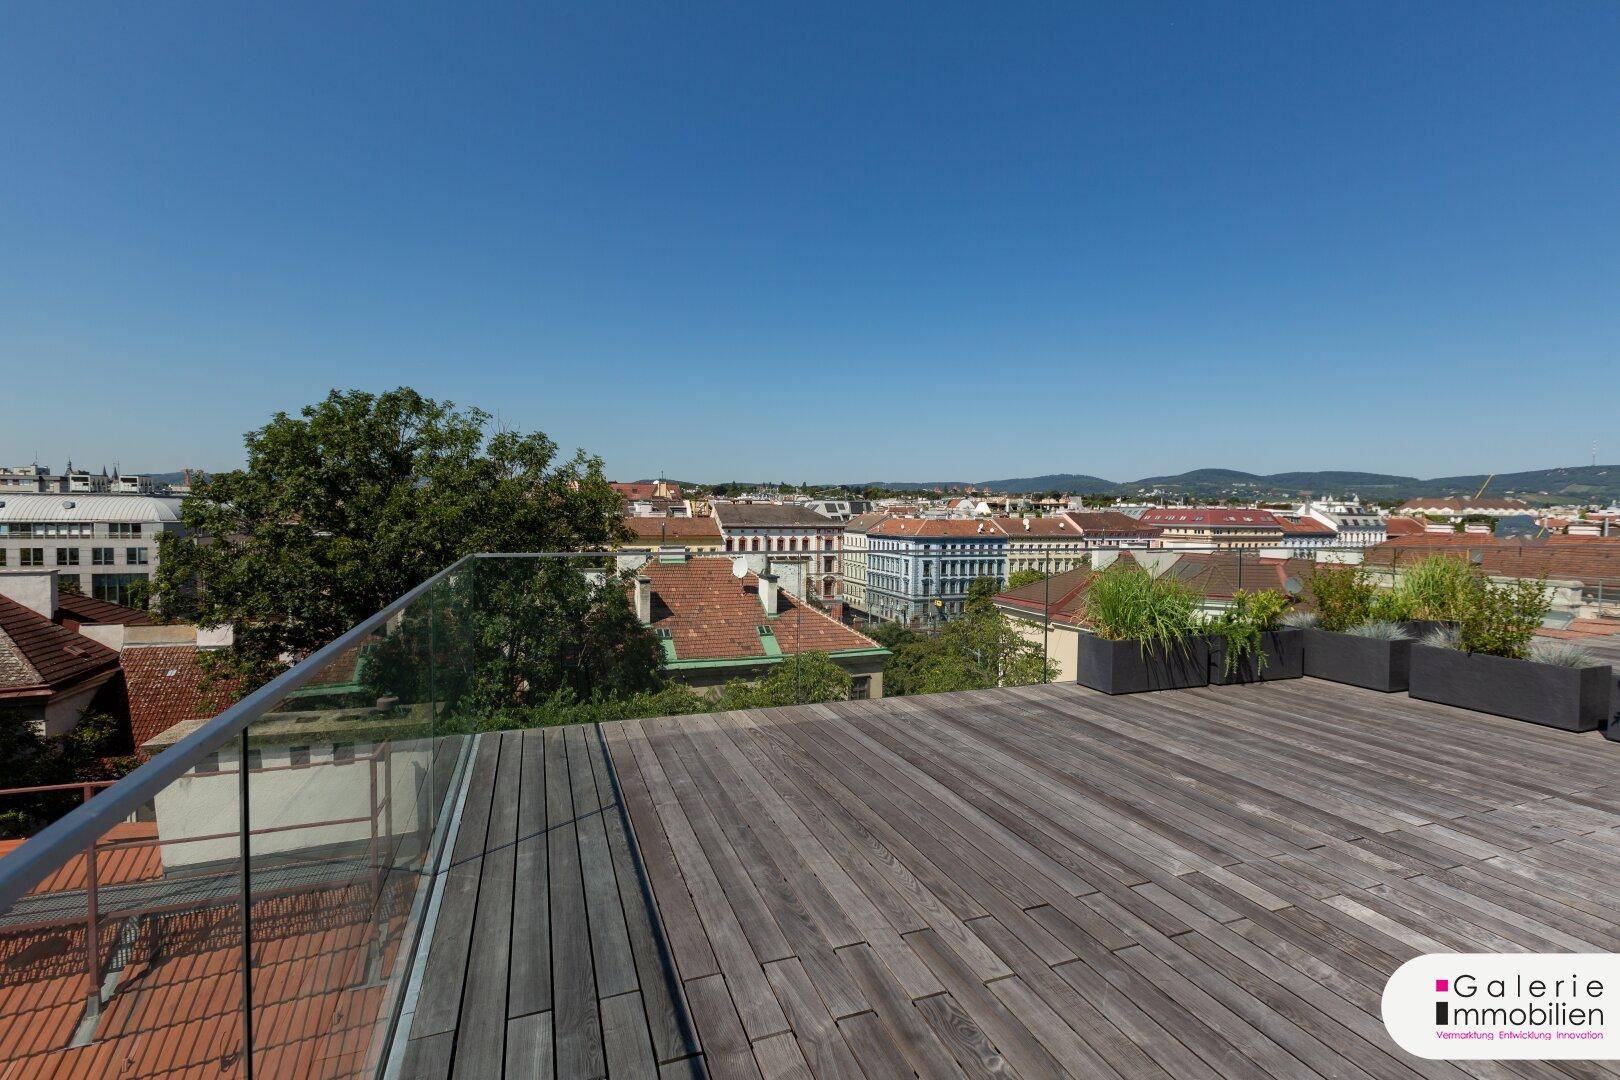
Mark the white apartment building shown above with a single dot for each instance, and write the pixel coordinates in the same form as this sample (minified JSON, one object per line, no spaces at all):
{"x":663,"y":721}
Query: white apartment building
{"x":852,"y":560}
{"x":1353,"y":524}
{"x":40,"y":480}
{"x":100,"y":543}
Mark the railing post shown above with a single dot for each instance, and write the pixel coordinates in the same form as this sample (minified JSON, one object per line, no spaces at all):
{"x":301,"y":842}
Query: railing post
{"x":245,"y":822}
{"x":92,"y":929}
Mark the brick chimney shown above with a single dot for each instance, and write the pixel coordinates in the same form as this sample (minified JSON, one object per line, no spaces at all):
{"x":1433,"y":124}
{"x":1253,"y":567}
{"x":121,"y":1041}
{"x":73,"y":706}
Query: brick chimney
{"x":34,"y":590}
{"x":644,"y":600}
{"x":769,"y":593}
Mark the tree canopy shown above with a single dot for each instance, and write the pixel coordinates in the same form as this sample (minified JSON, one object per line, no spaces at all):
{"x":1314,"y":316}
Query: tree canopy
{"x":358,"y":499}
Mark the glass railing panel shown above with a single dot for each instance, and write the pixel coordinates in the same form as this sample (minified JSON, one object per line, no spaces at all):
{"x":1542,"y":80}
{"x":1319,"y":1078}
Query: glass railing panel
{"x":125,"y":959}
{"x":352,"y":786}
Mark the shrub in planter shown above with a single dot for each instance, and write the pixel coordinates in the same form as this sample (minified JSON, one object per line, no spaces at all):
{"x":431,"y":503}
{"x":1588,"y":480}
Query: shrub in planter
{"x":1488,"y":663}
{"x":1248,"y":644}
{"x":1144,"y":634}
{"x":1375,"y":655}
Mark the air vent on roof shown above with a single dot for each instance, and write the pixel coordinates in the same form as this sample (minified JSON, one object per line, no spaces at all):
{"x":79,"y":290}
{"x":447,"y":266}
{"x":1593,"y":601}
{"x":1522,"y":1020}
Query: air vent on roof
{"x":68,"y":504}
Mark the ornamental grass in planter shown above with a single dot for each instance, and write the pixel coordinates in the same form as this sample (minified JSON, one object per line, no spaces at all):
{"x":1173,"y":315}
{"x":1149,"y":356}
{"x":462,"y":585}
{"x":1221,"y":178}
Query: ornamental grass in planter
{"x":1144,"y":634}
{"x":1491,"y":663}
{"x":1359,"y":635}
{"x":1248,"y":643}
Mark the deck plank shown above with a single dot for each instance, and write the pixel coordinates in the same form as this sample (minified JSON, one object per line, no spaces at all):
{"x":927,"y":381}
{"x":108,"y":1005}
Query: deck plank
{"x":1039,"y":881}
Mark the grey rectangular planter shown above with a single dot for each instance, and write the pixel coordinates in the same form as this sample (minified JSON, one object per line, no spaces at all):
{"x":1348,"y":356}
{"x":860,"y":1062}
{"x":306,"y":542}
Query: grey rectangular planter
{"x":1612,"y":729}
{"x":1284,"y":651}
{"x":1125,"y":667}
{"x":1574,"y":699}
{"x":1357,"y":661}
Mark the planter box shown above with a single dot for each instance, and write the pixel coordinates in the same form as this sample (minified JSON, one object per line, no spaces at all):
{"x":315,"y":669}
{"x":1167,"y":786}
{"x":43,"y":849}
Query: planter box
{"x":1284,"y":651}
{"x":1574,"y":699}
{"x":1612,"y":730}
{"x":1358,"y":661}
{"x":1124,"y":667}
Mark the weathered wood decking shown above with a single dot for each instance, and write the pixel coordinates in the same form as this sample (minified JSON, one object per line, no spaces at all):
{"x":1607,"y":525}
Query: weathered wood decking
{"x":546,"y":960}
{"x":1049,"y":882}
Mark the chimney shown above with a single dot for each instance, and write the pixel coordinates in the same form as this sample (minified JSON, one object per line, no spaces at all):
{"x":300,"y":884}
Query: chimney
{"x":769,"y":592}
{"x":644,"y":600}
{"x":34,"y":590}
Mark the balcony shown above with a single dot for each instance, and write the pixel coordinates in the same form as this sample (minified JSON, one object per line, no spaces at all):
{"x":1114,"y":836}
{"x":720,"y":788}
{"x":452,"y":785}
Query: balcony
{"x":1040,"y":881}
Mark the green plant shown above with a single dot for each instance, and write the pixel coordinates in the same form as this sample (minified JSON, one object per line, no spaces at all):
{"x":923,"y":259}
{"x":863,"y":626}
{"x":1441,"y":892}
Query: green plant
{"x":1126,"y":603}
{"x":1240,"y":626}
{"x":1379,"y":629}
{"x":1441,"y":587}
{"x":1020,"y":578}
{"x":1502,"y":617}
{"x":1562,"y":654}
{"x":1343,"y":595}
{"x":1388,"y":605}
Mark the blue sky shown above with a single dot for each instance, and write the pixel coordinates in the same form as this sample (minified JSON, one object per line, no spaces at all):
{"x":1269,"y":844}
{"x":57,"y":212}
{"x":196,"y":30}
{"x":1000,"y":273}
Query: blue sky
{"x":813,"y":243}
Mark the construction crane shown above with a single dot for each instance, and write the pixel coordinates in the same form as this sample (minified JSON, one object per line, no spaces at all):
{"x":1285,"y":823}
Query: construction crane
{"x":1483,"y":486}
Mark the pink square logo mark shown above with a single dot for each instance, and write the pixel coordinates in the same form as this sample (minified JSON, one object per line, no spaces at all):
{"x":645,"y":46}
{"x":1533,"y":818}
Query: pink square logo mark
{"x":1442,"y":985}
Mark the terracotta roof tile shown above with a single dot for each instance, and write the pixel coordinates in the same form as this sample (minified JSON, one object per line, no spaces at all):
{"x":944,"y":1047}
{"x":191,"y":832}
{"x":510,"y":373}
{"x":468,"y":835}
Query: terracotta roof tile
{"x":712,"y":615}
{"x":36,"y":655}
{"x":74,"y":610}
{"x":770,"y":515}
{"x":673,"y":528}
{"x":941,"y":527}
{"x":166,"y":685}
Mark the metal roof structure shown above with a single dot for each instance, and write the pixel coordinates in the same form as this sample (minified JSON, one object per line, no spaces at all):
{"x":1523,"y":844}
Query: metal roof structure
{"x":72,"y":506}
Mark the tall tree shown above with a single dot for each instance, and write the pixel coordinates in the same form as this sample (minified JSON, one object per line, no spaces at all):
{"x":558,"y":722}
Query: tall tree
{"x":356,"y":500}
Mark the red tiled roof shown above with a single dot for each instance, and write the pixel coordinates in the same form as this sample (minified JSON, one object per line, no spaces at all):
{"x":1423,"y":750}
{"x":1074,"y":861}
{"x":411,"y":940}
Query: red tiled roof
{"x":37,"y":656}
{"x":1062,"y":595}
{"x":1399,"y":525}
{"x":930,"y":527}
{"x":1217,"y":575}
{"x":864,"y":522}
{"x":644,"y":489}
{"x":166,"y":685}
{"x":1056,"y":527}
{"x":734,"y":515}
{"x":1299,"y":526}
{"x":125,"y":853}
{"x":673,"y":528}
{"x":712,"y":615}
{"x":1111,"y":523}
{"x":74,"y":611}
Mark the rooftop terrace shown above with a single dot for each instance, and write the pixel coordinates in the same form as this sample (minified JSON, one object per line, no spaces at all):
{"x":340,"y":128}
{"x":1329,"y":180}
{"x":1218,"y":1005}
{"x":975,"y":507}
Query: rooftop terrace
{"x":1039,"y":882}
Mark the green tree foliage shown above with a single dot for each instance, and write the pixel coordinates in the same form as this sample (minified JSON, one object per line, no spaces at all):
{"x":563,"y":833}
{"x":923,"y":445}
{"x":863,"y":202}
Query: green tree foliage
{"x":798,"y":680}
{"x":1343,"y":595}
{"x":1020,"y":578}
{"x":976,"y":652}
{"x":96,"y":749}
{"x":355,"y":501}
{"x":511,"y":634}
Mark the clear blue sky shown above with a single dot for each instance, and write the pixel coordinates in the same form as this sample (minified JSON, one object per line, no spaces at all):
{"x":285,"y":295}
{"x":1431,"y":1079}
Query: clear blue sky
{"x":907,"y":242}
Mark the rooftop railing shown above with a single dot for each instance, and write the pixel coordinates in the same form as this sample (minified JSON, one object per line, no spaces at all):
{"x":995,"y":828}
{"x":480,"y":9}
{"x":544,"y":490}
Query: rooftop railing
{"x":252,"y":899}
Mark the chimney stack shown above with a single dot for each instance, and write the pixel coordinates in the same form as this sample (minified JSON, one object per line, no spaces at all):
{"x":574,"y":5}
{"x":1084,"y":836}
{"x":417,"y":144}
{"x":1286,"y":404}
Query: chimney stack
{"x":769,"y":591}
{"x":644,"y":600}
{"x":34,"y":590}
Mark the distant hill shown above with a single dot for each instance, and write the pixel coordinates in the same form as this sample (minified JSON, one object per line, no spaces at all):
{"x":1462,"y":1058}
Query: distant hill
{"x":1582,"y":483}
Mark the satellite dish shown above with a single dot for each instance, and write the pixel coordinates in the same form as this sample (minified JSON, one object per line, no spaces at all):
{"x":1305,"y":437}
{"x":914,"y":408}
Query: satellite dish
{"x":1293,"y":585}
{"x":739,"y":567}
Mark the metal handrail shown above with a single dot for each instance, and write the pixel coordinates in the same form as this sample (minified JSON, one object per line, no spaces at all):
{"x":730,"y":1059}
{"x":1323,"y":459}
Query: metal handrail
{"x":67,"y":837}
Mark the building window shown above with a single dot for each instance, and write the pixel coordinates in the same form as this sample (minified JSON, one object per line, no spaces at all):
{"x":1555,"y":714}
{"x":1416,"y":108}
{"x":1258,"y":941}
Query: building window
{"x":116,"y":588}
{"x":207,"y":765}
{"x":135,"y":556}
{"x":255,"y":760}
{"x":861,"y":687}
{"x":2,"y":556}
{"x":342,"y":753}
{"x":124,"y":529}
{"x":67,"y":556}
{"x":101,"y":556}
{"x":31,"y":557}
{"x":298,"y":756}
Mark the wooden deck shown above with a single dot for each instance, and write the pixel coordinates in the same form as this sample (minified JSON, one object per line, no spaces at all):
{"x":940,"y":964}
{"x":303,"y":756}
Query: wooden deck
{"x":546,"y":958}
{"x":1035,"y":882}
